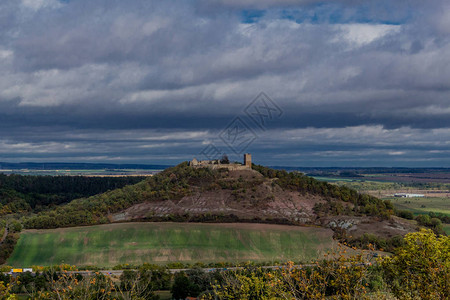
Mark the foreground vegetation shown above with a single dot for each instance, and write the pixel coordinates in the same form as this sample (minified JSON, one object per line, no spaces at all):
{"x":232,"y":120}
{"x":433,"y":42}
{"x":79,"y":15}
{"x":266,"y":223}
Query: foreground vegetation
{"x":136,"y":243}
{"x":420,"y":269}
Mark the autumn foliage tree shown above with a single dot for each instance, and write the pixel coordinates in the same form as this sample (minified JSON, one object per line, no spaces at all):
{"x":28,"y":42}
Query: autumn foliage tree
{"x":420,"y":269}
{"x":341,"y":276}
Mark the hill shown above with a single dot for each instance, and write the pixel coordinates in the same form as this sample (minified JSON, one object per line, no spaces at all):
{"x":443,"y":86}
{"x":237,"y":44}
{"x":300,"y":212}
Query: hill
{"x":259,"y":195}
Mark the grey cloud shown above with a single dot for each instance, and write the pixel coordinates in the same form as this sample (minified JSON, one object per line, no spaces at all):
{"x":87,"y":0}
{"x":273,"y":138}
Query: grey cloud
{"x":182,"y":66}
{"x":307,"y":147}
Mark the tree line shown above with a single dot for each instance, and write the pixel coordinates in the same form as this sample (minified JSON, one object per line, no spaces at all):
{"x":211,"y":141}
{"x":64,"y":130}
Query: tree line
{"x":19,"y":193}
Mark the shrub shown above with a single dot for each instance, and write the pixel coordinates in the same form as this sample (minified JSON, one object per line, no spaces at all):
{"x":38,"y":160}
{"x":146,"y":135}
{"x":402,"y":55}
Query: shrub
{"x":405,"y":214}
{"x":339,"y":277}
{"x":420,"y":269}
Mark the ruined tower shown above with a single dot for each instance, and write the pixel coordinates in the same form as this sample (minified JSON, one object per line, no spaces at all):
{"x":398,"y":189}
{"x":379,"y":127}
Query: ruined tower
{"x":248,"y":160}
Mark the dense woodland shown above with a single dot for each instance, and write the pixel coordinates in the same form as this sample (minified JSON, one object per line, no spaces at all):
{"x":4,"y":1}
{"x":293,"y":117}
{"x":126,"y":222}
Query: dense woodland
{"x":19,"y":194}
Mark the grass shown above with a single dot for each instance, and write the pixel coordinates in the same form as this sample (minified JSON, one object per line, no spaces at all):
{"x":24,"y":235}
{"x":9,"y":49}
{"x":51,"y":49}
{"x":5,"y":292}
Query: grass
{"x":161,"y":243}
{"x":374,"y":182}
{"x":335,"y":179}
{"x":164,"y":295}
{"x":447,"y":228}
{"x":423,"y":205}
{"x":418,"y":205}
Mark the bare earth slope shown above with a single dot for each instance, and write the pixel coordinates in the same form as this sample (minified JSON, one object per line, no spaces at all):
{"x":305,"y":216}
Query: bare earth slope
{"x":260,"y":199}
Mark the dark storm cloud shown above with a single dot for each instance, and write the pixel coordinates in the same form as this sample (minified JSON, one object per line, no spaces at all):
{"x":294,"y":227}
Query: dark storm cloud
{"x":156,"y":81}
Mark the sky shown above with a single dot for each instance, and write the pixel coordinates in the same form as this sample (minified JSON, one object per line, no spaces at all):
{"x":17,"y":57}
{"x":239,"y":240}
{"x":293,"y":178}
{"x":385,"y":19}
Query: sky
{"x":296,"y":83}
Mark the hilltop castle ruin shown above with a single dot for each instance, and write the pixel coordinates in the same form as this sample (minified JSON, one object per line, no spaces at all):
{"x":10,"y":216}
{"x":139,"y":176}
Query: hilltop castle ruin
{"x":216,"y":164}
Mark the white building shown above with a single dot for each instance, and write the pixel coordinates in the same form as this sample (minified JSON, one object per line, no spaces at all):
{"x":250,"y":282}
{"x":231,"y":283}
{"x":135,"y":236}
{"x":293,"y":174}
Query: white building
{"x":405,"y":195}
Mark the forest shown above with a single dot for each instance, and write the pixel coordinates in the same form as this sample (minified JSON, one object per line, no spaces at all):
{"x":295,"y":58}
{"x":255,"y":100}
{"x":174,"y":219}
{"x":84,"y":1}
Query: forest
{"x":20,"y":194}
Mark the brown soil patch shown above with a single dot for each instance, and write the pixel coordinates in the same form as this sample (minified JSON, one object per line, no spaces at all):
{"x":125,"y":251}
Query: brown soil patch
{"x":263,"y":200}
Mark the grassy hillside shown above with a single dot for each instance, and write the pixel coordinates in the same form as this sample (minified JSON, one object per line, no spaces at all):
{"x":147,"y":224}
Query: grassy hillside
{"x":136,"y":243}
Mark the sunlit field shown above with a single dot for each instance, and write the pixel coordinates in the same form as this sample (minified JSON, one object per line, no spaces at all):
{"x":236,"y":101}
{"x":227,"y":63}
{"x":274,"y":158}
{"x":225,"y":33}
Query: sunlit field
{"x":161,"y":243}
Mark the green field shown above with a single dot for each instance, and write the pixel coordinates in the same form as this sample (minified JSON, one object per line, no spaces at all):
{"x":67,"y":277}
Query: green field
{"x":161,"y":243}
{"x":423,"y":205}
{"x":335,"y":179}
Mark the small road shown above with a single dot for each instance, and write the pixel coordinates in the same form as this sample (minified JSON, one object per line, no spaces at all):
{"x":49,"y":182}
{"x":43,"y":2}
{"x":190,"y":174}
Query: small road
{"x":118,"y":273}
{"x":173,"y":271}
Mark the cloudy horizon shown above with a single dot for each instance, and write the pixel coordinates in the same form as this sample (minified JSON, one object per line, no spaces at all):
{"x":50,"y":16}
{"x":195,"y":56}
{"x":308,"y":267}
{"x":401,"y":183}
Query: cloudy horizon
{"x":358,"y":83}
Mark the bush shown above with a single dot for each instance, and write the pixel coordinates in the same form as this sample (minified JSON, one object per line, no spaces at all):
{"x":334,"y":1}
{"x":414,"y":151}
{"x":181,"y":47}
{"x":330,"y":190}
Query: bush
{"x":434,"y":223}
{"x":405,"y":214}
{"x":340,"y":277}
{"x":7,"y":247}
{"x":367,"y":240}
{"x":420,"y":269}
